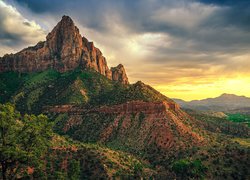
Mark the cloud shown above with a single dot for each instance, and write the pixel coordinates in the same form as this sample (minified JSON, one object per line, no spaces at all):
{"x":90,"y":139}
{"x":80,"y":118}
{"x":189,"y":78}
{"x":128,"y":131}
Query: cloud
{"x":16,"y":31}
{"x":184,"y":15}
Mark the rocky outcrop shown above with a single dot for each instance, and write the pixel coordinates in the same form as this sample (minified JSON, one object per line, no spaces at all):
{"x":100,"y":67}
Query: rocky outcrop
{"x":64,"y":49}
{"x":125,"y":108}
{"x":138,"y":107}
{"x":119,"y":74}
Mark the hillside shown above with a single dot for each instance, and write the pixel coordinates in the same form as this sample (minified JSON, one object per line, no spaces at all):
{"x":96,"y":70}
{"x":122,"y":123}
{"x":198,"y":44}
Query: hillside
{"x":67,"y":158}
{"x":33,"y":91}
{"x":91,"y":91}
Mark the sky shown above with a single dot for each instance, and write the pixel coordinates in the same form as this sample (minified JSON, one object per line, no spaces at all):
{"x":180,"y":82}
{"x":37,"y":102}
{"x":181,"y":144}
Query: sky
{"x":188,"y":49}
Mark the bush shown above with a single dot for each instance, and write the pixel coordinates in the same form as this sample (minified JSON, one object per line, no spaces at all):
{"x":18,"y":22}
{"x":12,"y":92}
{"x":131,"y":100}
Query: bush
{"x":186,"y":168}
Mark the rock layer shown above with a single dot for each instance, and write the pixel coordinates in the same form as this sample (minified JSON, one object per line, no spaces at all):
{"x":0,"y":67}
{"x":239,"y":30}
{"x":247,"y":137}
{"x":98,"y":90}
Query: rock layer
{"x":64,"y":50}
{"x":146,"y":124}
{"x":125,"y":108}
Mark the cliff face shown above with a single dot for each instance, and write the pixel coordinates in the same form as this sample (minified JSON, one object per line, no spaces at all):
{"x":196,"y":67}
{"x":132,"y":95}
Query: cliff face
{"x":125,"y":108}
{"x":146,"y":124}
{"x":119,"y":74}
{"x":64,"y":49}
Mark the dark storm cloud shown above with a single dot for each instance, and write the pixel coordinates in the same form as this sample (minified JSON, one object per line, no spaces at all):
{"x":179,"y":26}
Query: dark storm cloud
{"x":237,"y":14}
{"x":225,"y":2}
{"x":42,"y":6}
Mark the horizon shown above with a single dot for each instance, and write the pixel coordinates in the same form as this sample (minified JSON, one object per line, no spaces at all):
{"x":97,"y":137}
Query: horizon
{"x":189,"y":50}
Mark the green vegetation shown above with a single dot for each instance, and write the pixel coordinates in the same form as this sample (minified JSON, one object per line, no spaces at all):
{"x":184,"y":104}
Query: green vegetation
{"x":76,"y":160}
{"x":221,"y":125}
{"x":239,"y":118}
{"x":28,"y":150}
{"x":24,"y":140}
{"x":32,"y":92}
{"x":74,"y":170}
{"x":185,"y":168}
{"x":9,"y":84}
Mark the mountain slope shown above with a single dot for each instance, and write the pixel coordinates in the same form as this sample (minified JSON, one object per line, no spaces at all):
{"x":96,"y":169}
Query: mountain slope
{"x":135,"y":126}
{"x":91,"y":161}
{"x":146,"y":110}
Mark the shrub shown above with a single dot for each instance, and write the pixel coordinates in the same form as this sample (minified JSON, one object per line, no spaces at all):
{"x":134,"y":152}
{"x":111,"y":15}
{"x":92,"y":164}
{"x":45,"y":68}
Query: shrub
{"x":187,"y":168}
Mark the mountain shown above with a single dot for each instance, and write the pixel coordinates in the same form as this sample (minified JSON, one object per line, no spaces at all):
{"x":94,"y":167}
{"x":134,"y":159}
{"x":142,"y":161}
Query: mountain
{"x":225,"y":103}
{"x":64,"y":50}
{"x":108,"y":128}
{"x":67,"y":76}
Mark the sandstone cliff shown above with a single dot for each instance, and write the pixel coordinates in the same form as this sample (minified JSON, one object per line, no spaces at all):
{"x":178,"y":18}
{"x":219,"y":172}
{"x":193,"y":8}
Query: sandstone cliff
{"x":162,"y":124}
{"x":64,"y":49}
{"x":119,"y":74}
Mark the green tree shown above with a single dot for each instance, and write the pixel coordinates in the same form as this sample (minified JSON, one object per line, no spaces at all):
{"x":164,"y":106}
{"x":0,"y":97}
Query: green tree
{"x":185,"y":168}
{"x":74,"y":170}
{"x":23,"y":141}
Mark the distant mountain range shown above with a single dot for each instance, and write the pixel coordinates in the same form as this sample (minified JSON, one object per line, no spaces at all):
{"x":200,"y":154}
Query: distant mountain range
{"x":225,"y":103}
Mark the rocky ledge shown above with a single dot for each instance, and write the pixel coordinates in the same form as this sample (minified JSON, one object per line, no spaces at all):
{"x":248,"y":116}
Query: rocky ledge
{"x":125,"y":108}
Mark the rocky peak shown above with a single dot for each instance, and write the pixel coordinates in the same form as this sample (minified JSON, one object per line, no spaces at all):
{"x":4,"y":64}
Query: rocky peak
{"x":64,"y":49}
{"x":65,"y":45}
{"x":119,"y":74}
{"x":64,"y":33}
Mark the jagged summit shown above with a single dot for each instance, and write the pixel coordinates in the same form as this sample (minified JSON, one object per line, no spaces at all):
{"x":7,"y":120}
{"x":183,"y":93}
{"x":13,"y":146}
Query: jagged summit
{"x":64,"y":49}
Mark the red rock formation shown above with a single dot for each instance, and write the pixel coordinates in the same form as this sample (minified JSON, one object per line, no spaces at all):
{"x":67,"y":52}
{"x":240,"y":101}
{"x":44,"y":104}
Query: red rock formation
{"x":137,"y":107}
{"x":64,"y":49}
{"x":59,"y":108}
{"x":119,"y":74}
{"x":164,"y":130}
{"x":157,"y":124}
{"x":125,"y":108}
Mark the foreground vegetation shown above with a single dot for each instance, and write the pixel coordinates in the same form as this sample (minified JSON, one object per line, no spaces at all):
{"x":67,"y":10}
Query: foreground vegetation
{"x":24,"y":141}
{"x":29,"y":149}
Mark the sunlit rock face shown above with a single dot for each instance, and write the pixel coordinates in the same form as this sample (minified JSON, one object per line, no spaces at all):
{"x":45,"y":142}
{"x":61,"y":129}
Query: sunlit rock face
{"x":119,"y":74}
{"x":64,"y":49}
